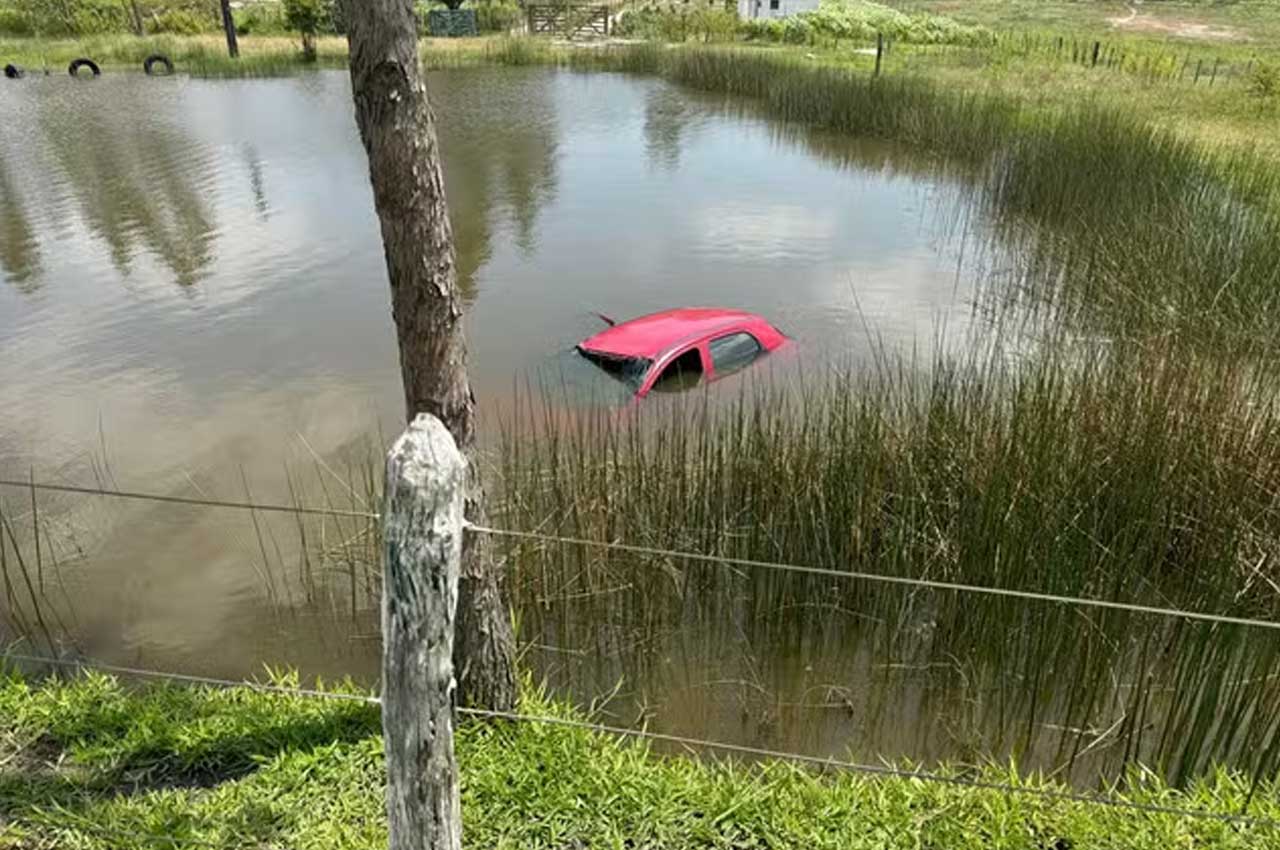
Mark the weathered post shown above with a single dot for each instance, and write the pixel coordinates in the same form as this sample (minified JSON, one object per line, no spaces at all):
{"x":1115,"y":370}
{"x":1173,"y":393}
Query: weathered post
{"x":422,"y":557}
{"x":229,"y":27}
{"x":879,"y":51}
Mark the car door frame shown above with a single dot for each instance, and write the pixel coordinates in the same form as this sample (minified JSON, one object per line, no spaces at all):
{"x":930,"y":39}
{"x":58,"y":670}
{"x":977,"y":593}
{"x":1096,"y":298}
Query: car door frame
{"x":661,"y":363}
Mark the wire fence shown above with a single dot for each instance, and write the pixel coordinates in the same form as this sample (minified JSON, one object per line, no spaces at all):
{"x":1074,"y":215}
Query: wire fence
{"x":695,"y":744}
{"x":699,"y":557}
{"x":690,"y":743}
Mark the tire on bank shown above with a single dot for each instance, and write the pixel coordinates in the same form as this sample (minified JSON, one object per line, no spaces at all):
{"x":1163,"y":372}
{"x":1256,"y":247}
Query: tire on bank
{"x":14,"y":72}
{"x":83,"y":62}
{"x":149,"y":65}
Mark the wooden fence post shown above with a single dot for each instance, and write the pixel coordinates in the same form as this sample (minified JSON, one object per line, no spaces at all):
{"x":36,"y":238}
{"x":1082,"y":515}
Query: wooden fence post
{"x":422,"y":551}
{"x":879,"y":51}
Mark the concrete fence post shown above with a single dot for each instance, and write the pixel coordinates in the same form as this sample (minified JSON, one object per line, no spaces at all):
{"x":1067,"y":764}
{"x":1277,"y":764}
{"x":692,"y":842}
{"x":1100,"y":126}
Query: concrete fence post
{"x":422,"y":553}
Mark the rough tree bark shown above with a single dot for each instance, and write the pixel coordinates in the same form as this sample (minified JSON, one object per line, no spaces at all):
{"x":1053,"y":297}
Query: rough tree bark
{"x":398,"y":130}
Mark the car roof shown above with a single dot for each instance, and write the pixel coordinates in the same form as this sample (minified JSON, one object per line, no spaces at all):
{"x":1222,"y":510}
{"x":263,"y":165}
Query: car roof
{"x":649,"y":336}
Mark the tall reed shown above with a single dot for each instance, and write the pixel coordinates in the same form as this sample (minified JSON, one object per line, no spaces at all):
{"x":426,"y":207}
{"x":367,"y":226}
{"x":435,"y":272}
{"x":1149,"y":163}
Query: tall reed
{"x":1137,"y":474}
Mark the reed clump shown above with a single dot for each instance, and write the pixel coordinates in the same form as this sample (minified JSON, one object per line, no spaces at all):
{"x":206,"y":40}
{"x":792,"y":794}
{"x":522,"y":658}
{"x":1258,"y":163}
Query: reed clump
{"x":1138,"y":474}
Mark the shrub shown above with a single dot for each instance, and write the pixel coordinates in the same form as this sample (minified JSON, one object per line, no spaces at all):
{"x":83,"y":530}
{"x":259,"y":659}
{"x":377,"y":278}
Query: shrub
{"x":179,"y":22}
{"x":497,"y":15}
{"x":1263,"y":81}
{"x":260,"y":18}
{"x":306,"y":17}
{"x":15,"y":22}
{"x":678,"y":24}
{"x":861,"y":20}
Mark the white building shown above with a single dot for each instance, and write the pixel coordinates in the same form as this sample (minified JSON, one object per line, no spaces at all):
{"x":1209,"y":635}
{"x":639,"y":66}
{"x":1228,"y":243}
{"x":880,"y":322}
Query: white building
{"x":748,"y":9}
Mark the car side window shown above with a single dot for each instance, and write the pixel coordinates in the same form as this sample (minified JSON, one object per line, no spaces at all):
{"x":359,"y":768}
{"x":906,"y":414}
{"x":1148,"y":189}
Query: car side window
{"x":734,"y":351}
{"x":681,"y":373}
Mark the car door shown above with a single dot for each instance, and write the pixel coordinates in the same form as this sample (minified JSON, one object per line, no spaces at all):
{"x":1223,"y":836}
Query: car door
{"x":681,"y":369}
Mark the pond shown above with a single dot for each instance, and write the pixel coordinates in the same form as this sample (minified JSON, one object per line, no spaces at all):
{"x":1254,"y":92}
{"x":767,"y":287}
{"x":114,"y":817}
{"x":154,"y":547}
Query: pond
{"x":194,"y":303}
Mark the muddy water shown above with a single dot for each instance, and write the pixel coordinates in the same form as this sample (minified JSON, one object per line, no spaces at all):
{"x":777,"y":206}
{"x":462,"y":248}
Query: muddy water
{"x":194,"y":303}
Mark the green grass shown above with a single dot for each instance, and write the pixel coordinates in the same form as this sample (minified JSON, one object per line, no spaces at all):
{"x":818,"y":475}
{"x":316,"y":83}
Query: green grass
{"x":260,"y":55}
{"x":1255,"y":21}
{"x":88,"y":764}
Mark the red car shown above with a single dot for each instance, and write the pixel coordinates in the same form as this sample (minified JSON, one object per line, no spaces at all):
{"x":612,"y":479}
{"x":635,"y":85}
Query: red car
{"x":675,"y":349}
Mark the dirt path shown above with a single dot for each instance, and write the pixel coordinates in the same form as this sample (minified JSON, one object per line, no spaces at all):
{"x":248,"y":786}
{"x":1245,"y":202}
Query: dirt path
{"x":1178,"y":27}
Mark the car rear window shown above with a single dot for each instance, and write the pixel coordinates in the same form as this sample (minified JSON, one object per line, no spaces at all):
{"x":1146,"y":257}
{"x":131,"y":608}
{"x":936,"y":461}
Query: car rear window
{"x":628,"y":370}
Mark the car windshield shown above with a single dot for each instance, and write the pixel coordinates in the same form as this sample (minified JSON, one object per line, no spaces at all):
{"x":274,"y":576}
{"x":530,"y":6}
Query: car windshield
{"x":629,"y":370}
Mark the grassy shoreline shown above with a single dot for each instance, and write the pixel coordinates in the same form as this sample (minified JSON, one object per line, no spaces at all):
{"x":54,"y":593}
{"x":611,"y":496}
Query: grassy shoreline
{"x":1225,"y":113}
{"x":88,"y":763}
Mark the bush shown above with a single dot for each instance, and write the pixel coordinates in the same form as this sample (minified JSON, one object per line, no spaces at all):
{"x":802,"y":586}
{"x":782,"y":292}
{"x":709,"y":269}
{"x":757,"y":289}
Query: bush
{"x":95,"y":17}
{"x":1263,"y":81}
{"x":260,"y":18}
{"x":306,"y":17}
{"x":860,"y":20}
{"x":497,"y":15}
{"x":15,"y":22}
{"x":179,"y":22}
{"x":678,"y":24}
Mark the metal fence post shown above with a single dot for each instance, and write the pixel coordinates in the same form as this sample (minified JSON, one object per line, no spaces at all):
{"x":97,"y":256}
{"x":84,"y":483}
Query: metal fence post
{"x":422,"y":551}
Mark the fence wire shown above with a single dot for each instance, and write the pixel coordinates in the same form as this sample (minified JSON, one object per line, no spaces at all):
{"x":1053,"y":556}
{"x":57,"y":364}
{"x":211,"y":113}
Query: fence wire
{"x":188,"y":500}
{"x":699,"y":744}
{"x":653,"y":551}
{"x":829,"y":572}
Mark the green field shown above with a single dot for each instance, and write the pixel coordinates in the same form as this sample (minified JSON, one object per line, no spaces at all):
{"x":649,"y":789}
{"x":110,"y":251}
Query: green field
{"x":1252,"y":22}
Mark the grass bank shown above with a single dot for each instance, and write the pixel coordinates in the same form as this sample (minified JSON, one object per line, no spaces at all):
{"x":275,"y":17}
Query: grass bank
{"x":206,"y":55}
{"x":86,"y":763}
{"x":1200,"y":88}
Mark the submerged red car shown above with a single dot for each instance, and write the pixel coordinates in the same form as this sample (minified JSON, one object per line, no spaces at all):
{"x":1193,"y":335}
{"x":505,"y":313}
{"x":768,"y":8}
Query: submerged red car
{"x":675,"y":349}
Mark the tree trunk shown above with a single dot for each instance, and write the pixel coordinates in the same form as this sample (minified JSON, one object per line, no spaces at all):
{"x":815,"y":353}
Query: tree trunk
{"x":229,"y":27}
{"x":398,"y":130}
{"x":135,"y":17}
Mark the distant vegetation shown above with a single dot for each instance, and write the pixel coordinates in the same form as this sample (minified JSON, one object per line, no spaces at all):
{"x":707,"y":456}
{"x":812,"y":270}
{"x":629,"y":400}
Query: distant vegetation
{"x":833,"y":21}
{"x":79,"y":18}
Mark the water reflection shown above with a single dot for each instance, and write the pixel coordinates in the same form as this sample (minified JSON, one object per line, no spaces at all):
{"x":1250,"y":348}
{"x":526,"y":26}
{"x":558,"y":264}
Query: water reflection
{"x":257,"y":183}
{"x":136,"y":179}
{"x":667,"y":114}
{"x":501,"y":161}
{"x":19,"y":251}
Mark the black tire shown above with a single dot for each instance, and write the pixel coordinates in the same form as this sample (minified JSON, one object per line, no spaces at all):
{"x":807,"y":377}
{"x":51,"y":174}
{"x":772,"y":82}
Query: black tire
{"x":76,"y":64}
{"x":13,"y":72}
{"x":149,"y":64}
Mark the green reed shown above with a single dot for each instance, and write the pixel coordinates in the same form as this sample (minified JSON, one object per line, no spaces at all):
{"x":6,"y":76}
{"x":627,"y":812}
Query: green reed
{"x":1137,"y":474}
